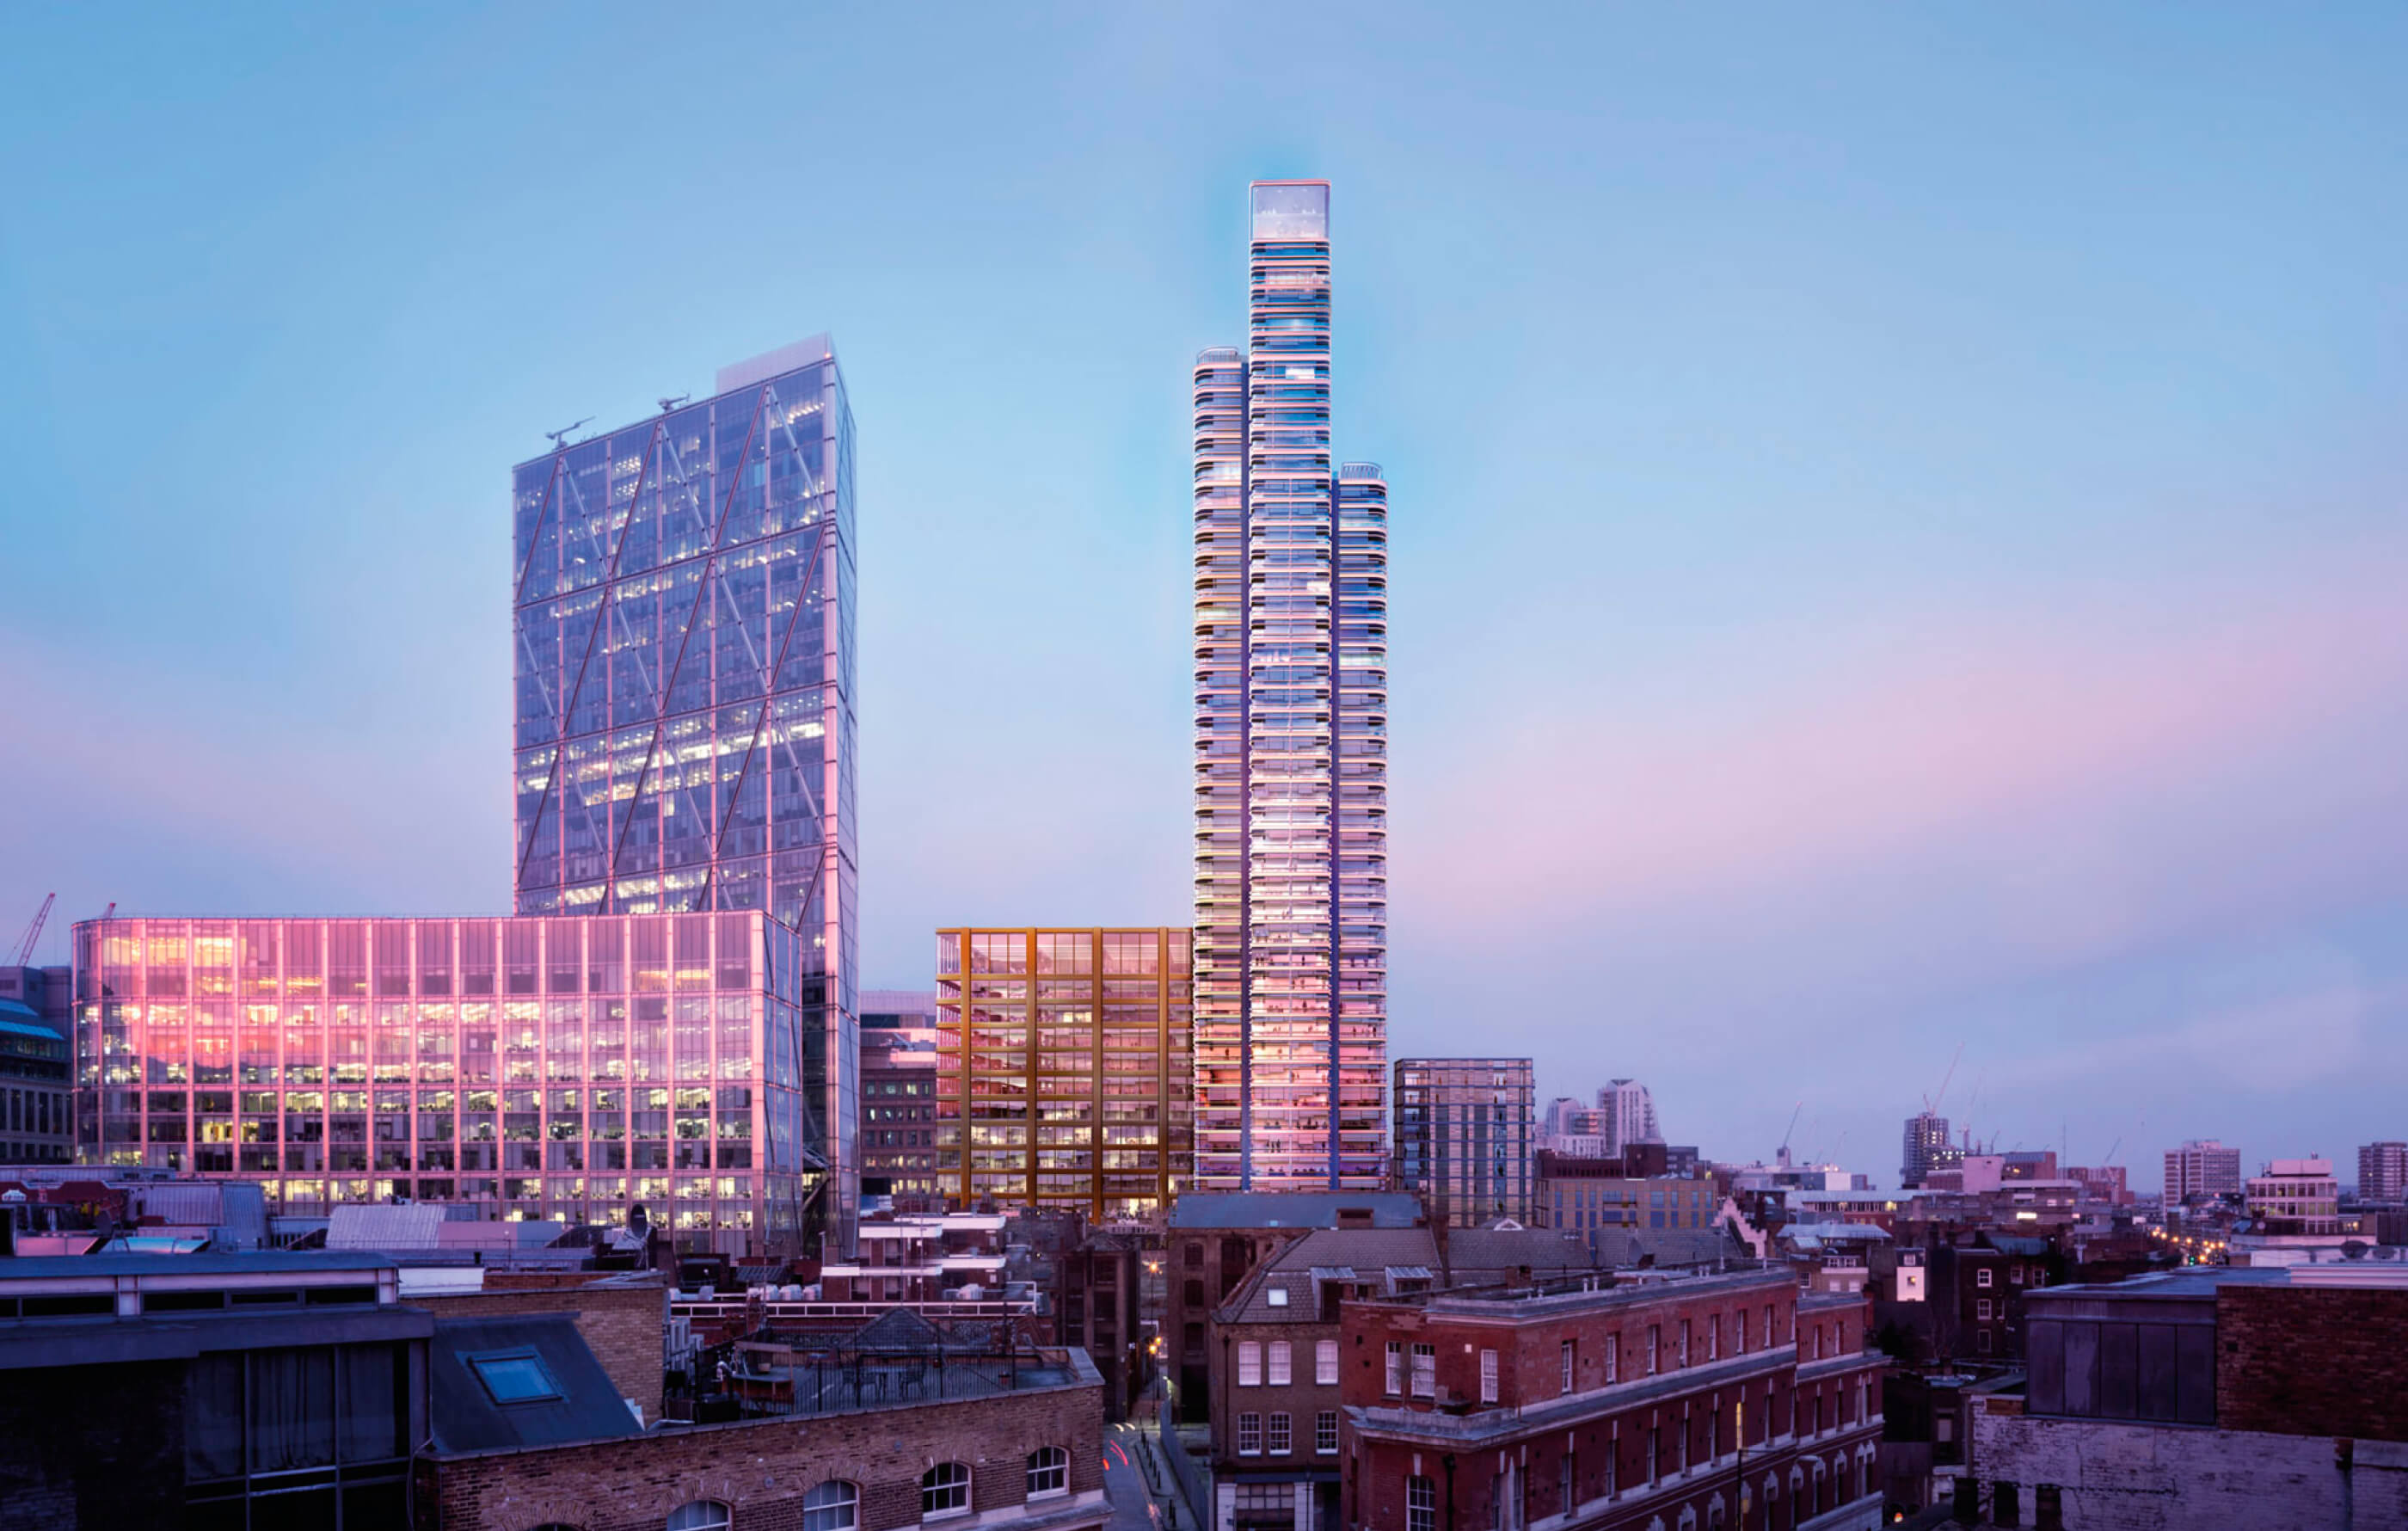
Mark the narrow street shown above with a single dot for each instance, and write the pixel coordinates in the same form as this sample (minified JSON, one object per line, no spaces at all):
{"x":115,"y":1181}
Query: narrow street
{"x":1134,"y":1506}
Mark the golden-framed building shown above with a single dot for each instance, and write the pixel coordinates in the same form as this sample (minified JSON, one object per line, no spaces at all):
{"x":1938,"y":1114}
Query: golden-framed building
{"x":1064,"y":1067}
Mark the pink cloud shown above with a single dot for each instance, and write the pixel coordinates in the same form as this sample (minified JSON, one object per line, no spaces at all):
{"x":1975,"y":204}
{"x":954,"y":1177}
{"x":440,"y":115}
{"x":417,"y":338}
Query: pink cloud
{"x":1994,"y":720}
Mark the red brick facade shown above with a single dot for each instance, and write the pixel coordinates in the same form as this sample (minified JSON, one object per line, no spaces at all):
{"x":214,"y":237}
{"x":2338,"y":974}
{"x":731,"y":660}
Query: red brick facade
{"x":762,"y":1468}
{"x":1675,"y":1396}
{"x":2312,"y":1361}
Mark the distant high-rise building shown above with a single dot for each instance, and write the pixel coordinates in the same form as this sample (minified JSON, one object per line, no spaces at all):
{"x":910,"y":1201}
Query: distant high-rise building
{"x":2202,"y":1168}
{"x":1465,"y":1131}
{"x":2295,"y":1196}
{"x":1560,"y":1116}
{"x":1291,"y":720}
{"x":2383,"y":1172}
{"x":1627,"y":1115}
{"x":1064,"y":1068}
{"x":1927,"y":1149}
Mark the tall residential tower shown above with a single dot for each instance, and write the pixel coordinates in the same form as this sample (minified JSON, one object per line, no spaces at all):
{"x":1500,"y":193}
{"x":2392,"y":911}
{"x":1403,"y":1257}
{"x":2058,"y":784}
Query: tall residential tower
{"x":1291,"y":724}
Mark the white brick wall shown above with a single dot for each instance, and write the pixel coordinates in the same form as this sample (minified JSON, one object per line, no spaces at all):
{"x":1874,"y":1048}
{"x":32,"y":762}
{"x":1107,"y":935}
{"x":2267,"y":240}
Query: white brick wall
{"x":2148,"y":1478}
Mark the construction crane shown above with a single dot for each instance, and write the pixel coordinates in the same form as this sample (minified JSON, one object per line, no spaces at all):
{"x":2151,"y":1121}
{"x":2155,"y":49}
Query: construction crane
{"x":1931,"y":1102}
{"x":33,"y":931}
{"x":1781,"y":1155}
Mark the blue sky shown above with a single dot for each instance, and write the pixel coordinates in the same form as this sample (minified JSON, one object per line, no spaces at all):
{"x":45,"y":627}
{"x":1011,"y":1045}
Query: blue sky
{"x":1897,"y":528}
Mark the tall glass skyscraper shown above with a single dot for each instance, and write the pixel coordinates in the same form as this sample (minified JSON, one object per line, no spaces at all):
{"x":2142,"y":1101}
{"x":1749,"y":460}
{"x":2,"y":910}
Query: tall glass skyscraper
{"x":685,"y":661}
{"x":1291,"y":752}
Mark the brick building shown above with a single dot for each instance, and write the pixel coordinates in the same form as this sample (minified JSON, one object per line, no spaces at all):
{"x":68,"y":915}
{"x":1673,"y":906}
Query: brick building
{"x":208,"y":1391}
{"x":2211,"y":1395}
{"x":1633,"y":1190}
{"x":622,"y":1315}
{"x":1713,"y":1401}
{"x":1214,"y":1241}
{"x":1020,"y":1448}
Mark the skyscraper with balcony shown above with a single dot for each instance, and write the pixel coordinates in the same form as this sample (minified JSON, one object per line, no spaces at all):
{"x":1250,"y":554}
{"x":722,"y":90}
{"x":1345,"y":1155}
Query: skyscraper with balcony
{"x":1291,"y":724}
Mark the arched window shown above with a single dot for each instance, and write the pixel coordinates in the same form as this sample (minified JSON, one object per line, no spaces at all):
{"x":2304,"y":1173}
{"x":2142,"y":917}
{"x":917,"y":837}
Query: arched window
{"x":701,"y":1515}
{"x":1048,"y":1472}
{"x":834,"y":1506}
{"x":944,"y":1490}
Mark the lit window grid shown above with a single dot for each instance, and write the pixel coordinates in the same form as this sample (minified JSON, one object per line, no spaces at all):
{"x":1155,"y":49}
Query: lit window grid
{"x":1011,"y":1053}
{"x":1273,"y":1006}
{"x":460,"y":1060}
{"x":684,"y":621}
{"x":1465,"y":1130}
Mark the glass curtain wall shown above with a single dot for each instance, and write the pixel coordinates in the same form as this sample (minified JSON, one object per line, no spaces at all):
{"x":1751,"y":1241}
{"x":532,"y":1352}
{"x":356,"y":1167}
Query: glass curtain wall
{"x":535,"y":1068}
{"x":684,"y":671}
{"x":1291,"y":693}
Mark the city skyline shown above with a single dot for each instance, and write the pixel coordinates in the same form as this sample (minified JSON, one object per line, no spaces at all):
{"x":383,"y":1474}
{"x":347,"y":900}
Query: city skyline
{"x":1900,"y":567}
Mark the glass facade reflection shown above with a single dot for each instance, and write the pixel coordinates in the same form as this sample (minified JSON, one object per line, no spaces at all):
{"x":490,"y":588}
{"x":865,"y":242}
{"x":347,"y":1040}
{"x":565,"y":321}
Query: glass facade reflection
{"x":1063,"y":1069}
{"x":533,"y":1067}
{"x":1291,"y":757}
{"x":1465,"y":1128}
{"x":684,"y":667}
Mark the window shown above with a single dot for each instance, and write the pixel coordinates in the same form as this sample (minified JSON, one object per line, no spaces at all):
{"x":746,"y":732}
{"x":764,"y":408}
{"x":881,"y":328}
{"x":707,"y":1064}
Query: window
{"x":1713,"y":1337}
{"x":2014,"y":1277}
{"x":1566,"y":1479}
{"x":1613,"y":1356}
{"x":1488,"y":1376}
{"x":1421,"y":1504}
{"x":1282,"y":1437}
{"x":1276,"y":1297}
{"x":1250,"y":1363}
{"x":1048,"y":1472}
{"x":1280,"y":1376}
{"x":701,"y":1515}
{"x":1324,"y":1433}
{"x":1424,"y":1371}
{"x":1685,"y":1343}
{"x":1769,"y":1335}
{"x":1249,"y":1434}
{"x":834,"y":1506}
{"x":944,"y":1490}
{"x":1396,"y":1368}
{"x":1655,"y":1332}
{"x":1739,"y":1332}
{"x":1818,"y":1342}
{"x":1982,"y":1277}
{"x":1324,"y":1362}
{"x":513,"y":1376}
{"x":1572,"y":1363}
{"x":1981,"y":1307}
{"x":1982,"y":1341}
{"x":1655,"y":1432}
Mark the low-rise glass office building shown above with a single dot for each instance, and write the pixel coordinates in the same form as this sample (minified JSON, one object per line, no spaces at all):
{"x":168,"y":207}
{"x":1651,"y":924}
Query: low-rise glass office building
{"x":561,"y":1068}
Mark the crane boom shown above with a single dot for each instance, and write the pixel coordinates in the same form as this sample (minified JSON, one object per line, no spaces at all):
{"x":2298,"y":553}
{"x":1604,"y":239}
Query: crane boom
{"x":1942,"y":1094}
{"x":1793,"y":1124}
{"x":33,"y":931}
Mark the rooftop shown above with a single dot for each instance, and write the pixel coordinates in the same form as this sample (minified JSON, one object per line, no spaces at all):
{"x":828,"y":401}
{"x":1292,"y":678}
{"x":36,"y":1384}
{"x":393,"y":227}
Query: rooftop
{"x":1292,"y":1208}
{"x":520,"y":1381}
